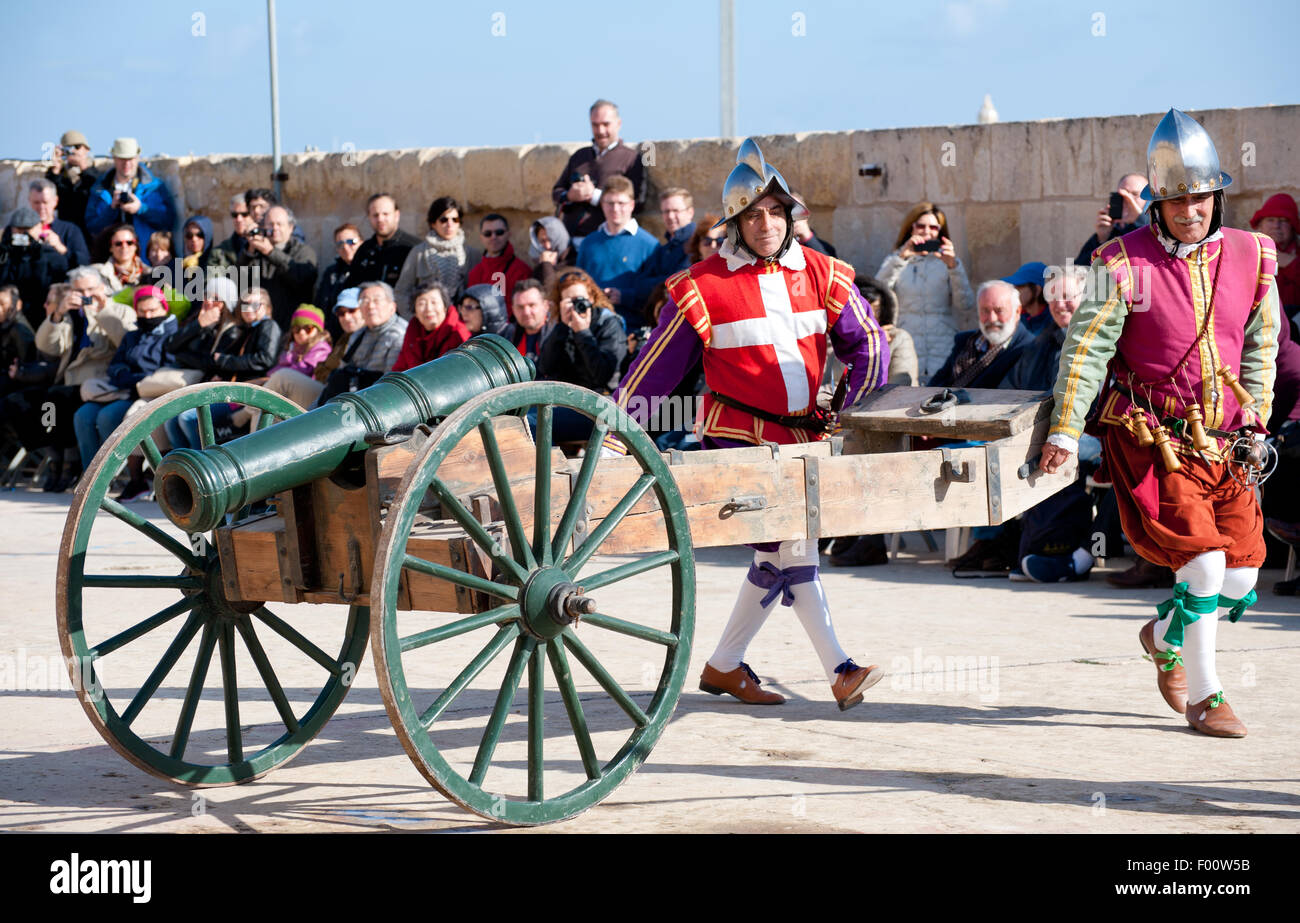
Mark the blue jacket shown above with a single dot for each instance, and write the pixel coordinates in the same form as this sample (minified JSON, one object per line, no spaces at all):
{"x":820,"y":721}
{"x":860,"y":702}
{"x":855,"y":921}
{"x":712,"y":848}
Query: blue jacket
{"x":157,"y":213}
{"x":74,"y":240}
{"x":141,"y":353}
{"x":669,"y":257}
{"x":614,"y":261}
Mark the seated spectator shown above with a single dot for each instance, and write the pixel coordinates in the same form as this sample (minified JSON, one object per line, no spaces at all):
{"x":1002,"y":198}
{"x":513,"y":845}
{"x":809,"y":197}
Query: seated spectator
{"x":159,"y":251}
{"x":443,"y":256}
{"x":130,"y":194}
{"x":980,"y":358}
{"x":334,"y":278}
{"x":1028,"y":280}
{"x":29,"y":264}
{"x":71,"y":171}
{"x":287,"y":265}
{"x":804,"y":233}
{"x":1278,"y":219}
{"x":252,"y":356}
{"x":577,"y":193}
{"x":1133,"y":215}
{"x":929,"y":281}
{"x":64,"y":236}
{"x":677,"y":209}
{"x":17,"y":338}
{"x":123,"y":268}
{"x":228,"y":252}
{"x":435,"y":329}
{"x":302,"y":388}
{"x":584,"y":345}
{"x":82,"y":334}
{"x":482,"y":310}
{"x":373,"y":349}
{"x":549,"y":249}
{"x":616,"y":250}
{"x":382,"y":256}
{"x":211,"y":329}
{"x":707,"y":239}
{"x":530,"y":309}
{"x":587,"y":342}
{"x":309,"y":344}
{"x":499,"y":266}
{"x":142,"y":351}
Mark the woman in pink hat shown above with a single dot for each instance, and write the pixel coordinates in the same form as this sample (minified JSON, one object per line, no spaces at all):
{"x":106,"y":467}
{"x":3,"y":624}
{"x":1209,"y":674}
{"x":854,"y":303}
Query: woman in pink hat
{"x":1278,"y":219}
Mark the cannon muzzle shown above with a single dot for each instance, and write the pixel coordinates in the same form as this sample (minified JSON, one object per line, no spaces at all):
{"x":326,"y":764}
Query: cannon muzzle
{"x":196,"y":488}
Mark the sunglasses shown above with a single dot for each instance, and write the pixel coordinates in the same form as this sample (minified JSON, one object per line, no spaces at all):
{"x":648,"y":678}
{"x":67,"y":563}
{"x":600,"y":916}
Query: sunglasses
{"x":714,"y":242}
{"x":194,"y":235}
{"x":346,"y":242}
{"x":250,"y":305}
{"x":448,"y":219}
{"x":497,"y":232}
{"x":239,"y":214}
{"x":124,"y":243}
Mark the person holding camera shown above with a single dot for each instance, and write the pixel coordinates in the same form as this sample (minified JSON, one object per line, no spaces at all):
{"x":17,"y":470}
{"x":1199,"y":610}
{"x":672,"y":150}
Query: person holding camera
{"x":129,"y":194}
{"x":70,"y":172}
{"x":30,"y":263}
{"x":930,"y":283}
{"x":286,"y":264}
{"x":1124,"y":212}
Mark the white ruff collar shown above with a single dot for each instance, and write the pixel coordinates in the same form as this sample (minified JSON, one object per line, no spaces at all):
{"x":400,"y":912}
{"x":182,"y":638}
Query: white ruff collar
{"x":1176,"y":248}
{"x":793,"y":258}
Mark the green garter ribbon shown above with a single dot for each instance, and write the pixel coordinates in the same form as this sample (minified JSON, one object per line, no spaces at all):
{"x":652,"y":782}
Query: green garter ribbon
{"x":1186,"y":609}
{"x":1237,"y":607}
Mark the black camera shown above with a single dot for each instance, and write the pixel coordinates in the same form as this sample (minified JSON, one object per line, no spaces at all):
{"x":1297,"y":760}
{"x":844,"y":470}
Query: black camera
{"x":576,"y":177}
{"x":254,"y":231}
{"x":930,"y":246}
{"x":581,"y":306}
{"x":87,"y":301}
{"x":1116,"y":207}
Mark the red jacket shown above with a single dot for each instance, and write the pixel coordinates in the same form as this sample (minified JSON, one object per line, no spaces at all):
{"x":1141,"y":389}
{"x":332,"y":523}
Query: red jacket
{"x":421,"y":346}
{"x":506,"y":269}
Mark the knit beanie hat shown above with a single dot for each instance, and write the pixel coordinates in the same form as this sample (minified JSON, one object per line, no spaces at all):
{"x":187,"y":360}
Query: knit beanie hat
{"x":1278,"y":206}
{"x":308,"y":316}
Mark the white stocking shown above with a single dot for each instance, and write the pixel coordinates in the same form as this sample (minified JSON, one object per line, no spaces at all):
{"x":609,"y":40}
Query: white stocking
{"x":747,"y":617}
{"x":1204,"y":576}
{"x":812,"y":607}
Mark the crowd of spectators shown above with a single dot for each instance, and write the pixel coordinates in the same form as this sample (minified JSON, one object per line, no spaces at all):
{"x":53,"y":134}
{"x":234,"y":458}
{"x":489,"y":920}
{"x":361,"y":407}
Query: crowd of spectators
{"x":89,"y":329}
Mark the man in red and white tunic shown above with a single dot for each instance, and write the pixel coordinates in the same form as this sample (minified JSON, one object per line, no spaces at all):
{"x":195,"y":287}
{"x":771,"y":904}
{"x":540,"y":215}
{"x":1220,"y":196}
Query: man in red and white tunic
{"x":761,"y":313}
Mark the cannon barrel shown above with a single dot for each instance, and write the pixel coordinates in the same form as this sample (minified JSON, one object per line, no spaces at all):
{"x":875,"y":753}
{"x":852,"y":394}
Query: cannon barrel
{"x":196,"y":488}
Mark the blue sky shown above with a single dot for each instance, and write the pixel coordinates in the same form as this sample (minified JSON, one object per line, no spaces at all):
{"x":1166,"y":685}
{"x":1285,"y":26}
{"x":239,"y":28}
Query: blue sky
{"x":498,"y":72}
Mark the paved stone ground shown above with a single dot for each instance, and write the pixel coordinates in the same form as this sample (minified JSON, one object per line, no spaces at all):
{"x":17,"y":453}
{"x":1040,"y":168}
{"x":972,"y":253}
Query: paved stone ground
{"x":1009,"y":708}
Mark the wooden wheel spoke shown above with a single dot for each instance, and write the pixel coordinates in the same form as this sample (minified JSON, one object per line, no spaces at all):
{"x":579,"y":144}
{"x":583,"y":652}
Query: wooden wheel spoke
{"x":207,"y":435}
{"x":457,"y":511}
{"x":519,"y":547}
{"x":458,"y":627}
{"x":505,"y":697}
{"x":572,"y":705}
{"x":504,"y":636}
{"x":151,"y":452}
{"x":631,"y":569}
{"x":578,"y":495}
{"x":230,"y":686}
{"x":631,"y":629}
{"x":607,"y":682}
{"x":193,"y":692}
{"x":159,"y":672}
{"x":141,"y":581}
{"x":536,"y":720}
{"x":149,"y":530}
{"x":269,"y":679}
{"x":280,"y":627}
{"x":607,"y":525}
{"x":143,"y":628}
{"x":459,"y":577}
{"x":542,"y":486}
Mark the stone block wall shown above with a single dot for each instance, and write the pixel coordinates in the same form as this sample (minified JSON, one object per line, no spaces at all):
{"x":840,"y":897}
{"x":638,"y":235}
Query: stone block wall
{"x":1013,"y":191}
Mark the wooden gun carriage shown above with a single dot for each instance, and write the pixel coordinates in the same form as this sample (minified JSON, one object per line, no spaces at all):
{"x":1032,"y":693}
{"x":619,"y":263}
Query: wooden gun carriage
{"x":436,"y":507}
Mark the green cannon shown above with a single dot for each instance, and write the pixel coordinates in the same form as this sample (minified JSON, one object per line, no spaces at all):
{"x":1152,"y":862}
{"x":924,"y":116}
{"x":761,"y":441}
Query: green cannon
{"x":530,"y":604}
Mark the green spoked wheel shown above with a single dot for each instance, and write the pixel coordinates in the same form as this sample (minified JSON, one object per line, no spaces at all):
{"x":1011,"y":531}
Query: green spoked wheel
{"x":537,"y":708}
{"x":139,"y":629}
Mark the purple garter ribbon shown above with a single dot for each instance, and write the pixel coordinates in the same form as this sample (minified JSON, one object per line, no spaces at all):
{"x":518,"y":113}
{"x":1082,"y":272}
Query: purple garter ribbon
{"x":777,"y":581}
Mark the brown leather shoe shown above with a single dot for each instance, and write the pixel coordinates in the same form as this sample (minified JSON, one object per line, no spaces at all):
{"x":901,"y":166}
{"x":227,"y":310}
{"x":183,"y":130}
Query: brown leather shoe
{"x":740,"y":682}
{"x":1215,"y":717}
{"x":852,"y":681}
{"x":1141,"y":575}
{"x":1170,"y":678}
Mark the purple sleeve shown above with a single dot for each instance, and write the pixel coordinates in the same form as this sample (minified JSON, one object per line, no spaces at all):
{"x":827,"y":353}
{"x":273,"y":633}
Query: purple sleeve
{"x":672,"y":350}
{"x":860,"y":344}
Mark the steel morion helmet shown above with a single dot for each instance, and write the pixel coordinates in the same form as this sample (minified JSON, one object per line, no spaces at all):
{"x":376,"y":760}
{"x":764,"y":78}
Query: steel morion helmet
{"x":752,"y":178}
{"x":1181,"y":160}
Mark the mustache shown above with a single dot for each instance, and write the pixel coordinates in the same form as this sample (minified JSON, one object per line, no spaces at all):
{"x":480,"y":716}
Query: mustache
{"x":1196,"y":220}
